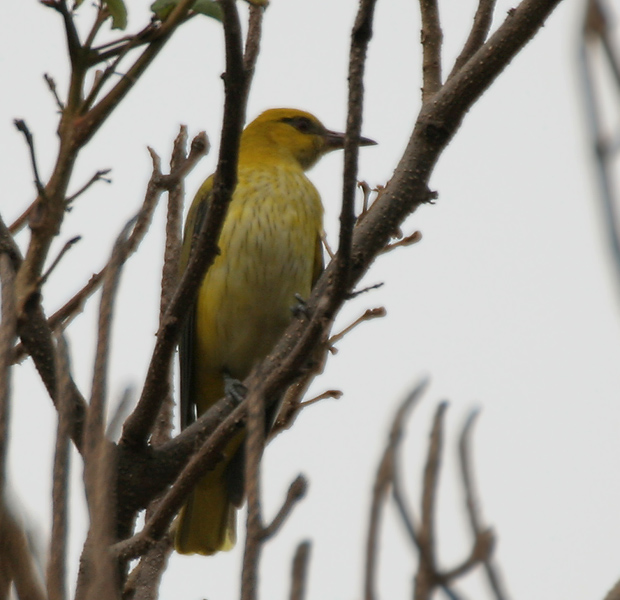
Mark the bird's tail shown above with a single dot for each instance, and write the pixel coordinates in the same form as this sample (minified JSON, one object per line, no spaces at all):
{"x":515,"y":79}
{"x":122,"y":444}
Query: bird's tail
{"x":207,"y":523}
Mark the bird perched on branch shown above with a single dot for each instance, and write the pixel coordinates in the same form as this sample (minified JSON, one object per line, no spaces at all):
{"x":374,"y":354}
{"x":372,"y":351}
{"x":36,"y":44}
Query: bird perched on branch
{"x":270,"y":253}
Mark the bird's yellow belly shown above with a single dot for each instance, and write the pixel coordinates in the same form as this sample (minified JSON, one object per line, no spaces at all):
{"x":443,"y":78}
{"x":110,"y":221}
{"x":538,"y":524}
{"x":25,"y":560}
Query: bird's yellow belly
{"x":267,"y":257}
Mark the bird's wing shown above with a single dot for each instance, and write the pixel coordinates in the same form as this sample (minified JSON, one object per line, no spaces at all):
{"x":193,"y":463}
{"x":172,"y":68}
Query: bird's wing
{"x":193,"y":224}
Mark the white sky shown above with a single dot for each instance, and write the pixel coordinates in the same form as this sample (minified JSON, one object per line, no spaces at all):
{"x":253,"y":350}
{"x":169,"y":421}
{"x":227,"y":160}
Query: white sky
{"x":509,"y":303}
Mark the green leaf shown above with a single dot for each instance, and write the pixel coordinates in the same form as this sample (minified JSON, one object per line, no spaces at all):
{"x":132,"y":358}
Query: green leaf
{"x":118,"y":11}
{"x":210,"y":8}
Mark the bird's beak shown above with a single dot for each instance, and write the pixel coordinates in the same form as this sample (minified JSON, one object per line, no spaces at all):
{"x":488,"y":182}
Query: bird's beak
{"x":335,"y":140}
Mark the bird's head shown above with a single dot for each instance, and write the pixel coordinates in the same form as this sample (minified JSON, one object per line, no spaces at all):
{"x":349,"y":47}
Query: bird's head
{"x":295,"y":133}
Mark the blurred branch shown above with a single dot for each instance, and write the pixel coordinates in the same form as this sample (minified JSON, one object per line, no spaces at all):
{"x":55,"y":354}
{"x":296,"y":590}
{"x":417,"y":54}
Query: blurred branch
{"x":8,"y":334}
{"x":98,"y":577}
{"x":17,"y":557}
{"x":597,"y":36}
{"x":473,"y":510}
{"x":254,"y":447}
{"x":613,"y":593}
{"x":200,"y":462}
{"x":299,"y":573}
{"x":426,"y":577}
{"x":56,"y":566}
{"x":381,"y":487}
{"x":296,"y":491}
{"x":143,"y":582}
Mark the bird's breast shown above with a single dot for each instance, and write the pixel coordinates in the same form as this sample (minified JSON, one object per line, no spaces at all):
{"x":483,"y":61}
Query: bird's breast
{"x":268,"y":246}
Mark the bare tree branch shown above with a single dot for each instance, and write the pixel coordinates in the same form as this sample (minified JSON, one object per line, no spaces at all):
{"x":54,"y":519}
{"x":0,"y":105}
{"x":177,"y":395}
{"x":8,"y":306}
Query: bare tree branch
{"x":360,"y":38}
{"x":17,"y":557}
{"x":382,"y":484}
{"x":477,"y":35}
{"x":596,"y":36}
{"x":21,"y":126}
{"x":425,"y":579}
{"x":299,"y":571}
{"x":431,"y":37}
{"x":296,"y":491}
{"x":56,"y":567}
{"x":8,"y":334}
{"x":473,"y":505}
{"x":201,"y":462}
{"x":254,"y":447}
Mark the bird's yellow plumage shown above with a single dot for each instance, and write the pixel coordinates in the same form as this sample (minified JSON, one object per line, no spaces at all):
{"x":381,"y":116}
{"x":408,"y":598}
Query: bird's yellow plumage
{"x":270,"y":251}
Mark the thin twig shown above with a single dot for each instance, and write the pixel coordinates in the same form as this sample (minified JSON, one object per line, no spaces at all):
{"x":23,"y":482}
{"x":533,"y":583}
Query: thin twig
{"x":51,"y":84}
{"x":252,"y":41}
{"x":17,"y":556}
{"x":292,"y":406}
{"x":327,"y":247}
{"x":56,"y":566}
{"x":254,"y":448}
{"x":96,"y":116}
{"x":300,"y":571}
{"x":97,"y":577}
{"x":296,"y":491}
{"x":473,"y":504}
{"x":431,"y":37}
{"x":68,"y":245}
{"x":21,"y":221}
{"x":409,"y":240}
{"x":156,"y":185}
{"x":360,"y":38}
{"x":383,"y":481}
{"x":95,"y":421}
{"x":478,"y":34}
{"x":102,"y":15}
{"x":366,"y":191}
{"x":369,"y":315}
{"x":174,"y":226}
{"x":596,"y":30}
{"x":98,"y":176}
{"x":426,"y":579}
{"x":21,"y":126}
{"x":8,"y":335}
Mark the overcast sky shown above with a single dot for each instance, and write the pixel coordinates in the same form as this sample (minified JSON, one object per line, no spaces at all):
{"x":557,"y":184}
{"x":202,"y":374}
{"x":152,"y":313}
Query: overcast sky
{"x":508,"y":304}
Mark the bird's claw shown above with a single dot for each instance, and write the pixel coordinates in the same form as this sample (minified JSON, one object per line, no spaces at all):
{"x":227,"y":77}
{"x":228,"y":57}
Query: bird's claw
{"x":300,"y":309}
{"x":233,"y":388}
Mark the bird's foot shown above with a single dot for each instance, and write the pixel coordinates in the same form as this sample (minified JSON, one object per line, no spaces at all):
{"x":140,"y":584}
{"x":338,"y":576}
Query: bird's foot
{"x":233,"y":388}
{"x":300,"y":309}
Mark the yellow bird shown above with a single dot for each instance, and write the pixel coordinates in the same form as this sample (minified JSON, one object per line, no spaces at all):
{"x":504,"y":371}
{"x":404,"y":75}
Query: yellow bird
{"x":270,"y":251}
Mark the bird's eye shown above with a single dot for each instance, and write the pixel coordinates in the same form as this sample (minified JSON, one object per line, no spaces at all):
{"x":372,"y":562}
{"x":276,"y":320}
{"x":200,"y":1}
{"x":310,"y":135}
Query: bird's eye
{"x":302,"y":124}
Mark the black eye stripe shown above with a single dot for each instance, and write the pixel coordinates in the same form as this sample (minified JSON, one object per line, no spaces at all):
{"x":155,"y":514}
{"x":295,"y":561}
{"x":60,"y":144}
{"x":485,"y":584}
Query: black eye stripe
{"x":302,"y":124}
